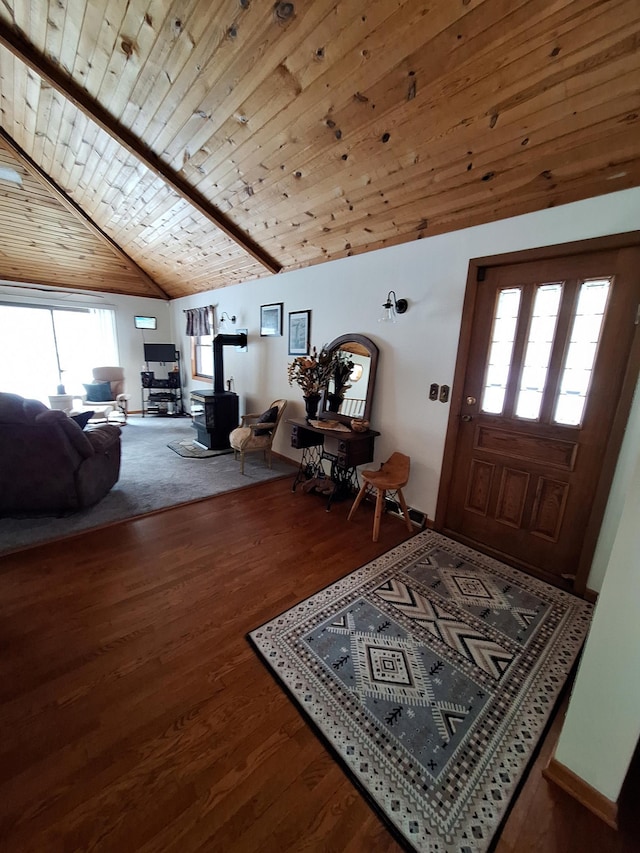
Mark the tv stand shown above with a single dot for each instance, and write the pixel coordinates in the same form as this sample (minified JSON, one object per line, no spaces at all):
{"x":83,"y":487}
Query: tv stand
{"x":162,"y":396}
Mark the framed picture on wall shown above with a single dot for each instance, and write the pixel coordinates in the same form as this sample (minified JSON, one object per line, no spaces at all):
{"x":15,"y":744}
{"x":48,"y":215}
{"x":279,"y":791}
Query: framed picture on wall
{"x":271,"y":320}
{"x":299,"y":328}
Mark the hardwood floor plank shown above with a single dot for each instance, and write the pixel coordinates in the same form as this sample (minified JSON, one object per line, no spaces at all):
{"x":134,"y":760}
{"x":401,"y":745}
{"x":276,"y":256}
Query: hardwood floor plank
{"x":136,"y":715}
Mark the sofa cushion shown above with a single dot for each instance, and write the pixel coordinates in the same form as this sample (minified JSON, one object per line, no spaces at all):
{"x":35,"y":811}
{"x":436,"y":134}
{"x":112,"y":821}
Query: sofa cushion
{"x":98,"y":392}
{"x":77,"y":438}
{"x":16,"y":410}
{"x":82,"y":418}
{"x":268,"y":417}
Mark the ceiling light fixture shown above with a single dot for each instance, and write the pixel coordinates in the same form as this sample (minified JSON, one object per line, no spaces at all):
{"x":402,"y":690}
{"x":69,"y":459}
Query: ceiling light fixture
{"x":392,"y":307}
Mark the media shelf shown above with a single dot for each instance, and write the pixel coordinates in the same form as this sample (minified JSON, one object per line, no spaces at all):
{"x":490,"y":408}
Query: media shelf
{"x":162,"y":397}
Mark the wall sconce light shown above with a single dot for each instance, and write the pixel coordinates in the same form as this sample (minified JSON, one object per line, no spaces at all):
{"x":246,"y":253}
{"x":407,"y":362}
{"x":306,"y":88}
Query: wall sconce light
{"x":224,"y":316}
{"x":392,"y":307}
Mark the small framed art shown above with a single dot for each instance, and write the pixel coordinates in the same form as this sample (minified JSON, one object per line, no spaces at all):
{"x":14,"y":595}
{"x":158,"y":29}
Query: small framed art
{"x":299,"y":328}
{"x":271,"y":320}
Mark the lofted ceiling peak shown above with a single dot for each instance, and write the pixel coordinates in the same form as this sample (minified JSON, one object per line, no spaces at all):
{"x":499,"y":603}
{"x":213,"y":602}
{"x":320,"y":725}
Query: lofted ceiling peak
{"x":215,"y":143}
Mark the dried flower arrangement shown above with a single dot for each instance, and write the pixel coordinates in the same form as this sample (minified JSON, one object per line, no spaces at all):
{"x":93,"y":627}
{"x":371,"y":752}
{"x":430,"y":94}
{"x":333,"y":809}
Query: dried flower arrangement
{"x":311,"y":372}
{"x":342,"y":367}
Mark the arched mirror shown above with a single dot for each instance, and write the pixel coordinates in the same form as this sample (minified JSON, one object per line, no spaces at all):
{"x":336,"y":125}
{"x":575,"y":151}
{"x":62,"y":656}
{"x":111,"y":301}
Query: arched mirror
{"x":349,"y":393}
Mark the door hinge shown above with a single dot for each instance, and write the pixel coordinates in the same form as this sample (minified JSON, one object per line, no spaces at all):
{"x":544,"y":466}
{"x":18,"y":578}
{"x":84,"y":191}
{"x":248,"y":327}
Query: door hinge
{"x":637,"y":316}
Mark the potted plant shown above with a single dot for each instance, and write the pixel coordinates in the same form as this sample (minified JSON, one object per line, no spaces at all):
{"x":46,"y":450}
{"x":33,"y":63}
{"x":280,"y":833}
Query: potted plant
{"x":311,"y":373}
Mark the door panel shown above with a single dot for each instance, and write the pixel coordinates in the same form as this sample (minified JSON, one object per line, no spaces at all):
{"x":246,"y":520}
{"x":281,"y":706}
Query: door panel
{"x":548,"y":349}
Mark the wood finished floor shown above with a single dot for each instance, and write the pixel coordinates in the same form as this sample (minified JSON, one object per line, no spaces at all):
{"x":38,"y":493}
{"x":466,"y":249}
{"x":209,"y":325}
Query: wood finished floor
{"x":136,"y":717}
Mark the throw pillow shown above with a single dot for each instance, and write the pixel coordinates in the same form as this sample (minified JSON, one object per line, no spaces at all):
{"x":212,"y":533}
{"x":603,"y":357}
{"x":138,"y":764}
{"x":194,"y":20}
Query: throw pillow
{"x":98,"y":392}
{"x":82,"y":418}
{"x":268,"y":417}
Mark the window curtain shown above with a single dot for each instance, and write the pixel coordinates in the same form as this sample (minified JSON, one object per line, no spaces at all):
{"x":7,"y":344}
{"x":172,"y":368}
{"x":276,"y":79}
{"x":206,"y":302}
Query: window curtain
{"x":198,"y":321}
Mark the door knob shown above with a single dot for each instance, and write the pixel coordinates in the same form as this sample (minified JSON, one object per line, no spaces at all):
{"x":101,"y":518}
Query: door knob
{"x":466,"y":418}
{"x":471,"y":401}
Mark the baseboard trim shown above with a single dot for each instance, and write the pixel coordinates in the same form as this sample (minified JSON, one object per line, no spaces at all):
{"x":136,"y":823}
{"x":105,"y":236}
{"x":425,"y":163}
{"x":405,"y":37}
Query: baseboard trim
{"x":590,"y":595}
{"x":582,"y":791}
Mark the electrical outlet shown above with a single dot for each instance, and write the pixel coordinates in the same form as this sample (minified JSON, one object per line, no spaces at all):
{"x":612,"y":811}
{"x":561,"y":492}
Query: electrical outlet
{"x":444,"y":393}
{"x":433,"y":391}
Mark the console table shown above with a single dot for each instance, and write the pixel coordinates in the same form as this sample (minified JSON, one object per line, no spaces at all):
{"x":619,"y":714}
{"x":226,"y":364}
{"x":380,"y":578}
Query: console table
{"x":344,"y":451}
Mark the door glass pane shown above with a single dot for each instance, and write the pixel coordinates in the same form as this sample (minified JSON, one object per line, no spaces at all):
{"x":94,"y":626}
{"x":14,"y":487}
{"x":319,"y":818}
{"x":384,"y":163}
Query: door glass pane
{"x":581,"y":356}
{"x":542,"y":330}
{"x":500,"y":351}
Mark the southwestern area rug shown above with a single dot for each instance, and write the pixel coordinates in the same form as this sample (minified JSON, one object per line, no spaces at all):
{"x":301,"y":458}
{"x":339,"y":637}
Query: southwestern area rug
{"x":432,"y":673}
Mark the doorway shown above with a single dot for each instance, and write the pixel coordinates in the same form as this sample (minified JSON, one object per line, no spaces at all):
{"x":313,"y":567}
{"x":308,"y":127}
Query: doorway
{"x":547,"y":365}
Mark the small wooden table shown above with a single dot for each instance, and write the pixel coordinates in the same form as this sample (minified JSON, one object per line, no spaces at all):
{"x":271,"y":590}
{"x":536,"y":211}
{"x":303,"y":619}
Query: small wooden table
{"x":343,"y":450}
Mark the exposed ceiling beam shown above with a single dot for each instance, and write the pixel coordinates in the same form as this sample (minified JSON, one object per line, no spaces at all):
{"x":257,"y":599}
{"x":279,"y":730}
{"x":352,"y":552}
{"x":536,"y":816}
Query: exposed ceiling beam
{"x":53,"y":75}
{"x":64,"y":199}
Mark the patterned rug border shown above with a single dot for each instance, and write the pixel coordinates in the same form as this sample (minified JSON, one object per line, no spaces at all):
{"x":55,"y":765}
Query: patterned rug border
{"x":400,"y":557}
{"x":331,"y":749}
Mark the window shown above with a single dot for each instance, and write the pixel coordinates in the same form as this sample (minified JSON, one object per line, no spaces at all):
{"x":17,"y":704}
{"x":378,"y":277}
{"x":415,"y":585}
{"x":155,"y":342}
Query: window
{"x":47,"y":346}
{"x":534,"y":322}
{"x":581,"y":355}
{"x":202,"y":357}
{"x":501,"y":350}
{"x":535,"y":369}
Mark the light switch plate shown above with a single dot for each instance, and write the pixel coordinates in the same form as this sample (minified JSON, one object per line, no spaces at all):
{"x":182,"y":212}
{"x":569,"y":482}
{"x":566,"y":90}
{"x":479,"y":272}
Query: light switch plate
{"x":433,"y":391}
{"x":444,"y":393}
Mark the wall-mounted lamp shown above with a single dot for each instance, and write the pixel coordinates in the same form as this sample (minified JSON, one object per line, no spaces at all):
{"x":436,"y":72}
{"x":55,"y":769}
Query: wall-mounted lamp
{"x":224,"y":316}
{"x":392,"y":307}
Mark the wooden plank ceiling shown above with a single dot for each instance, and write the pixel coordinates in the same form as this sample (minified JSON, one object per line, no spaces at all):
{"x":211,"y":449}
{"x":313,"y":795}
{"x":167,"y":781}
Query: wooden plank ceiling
{"x":216,"y":142}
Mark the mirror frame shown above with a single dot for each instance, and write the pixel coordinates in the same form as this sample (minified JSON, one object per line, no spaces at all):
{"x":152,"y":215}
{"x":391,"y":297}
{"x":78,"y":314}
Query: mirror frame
{"x":373,"y":351}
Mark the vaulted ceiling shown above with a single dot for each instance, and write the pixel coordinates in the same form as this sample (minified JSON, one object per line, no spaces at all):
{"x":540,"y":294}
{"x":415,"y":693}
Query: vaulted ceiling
{"x":166,"y":148}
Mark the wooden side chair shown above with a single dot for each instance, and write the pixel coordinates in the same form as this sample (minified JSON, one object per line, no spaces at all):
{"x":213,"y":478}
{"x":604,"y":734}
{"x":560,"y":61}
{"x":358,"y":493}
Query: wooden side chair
{"x":391,"y":476}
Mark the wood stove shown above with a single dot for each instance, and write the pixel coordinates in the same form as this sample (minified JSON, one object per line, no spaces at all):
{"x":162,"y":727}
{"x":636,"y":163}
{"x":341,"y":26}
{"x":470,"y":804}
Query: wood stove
{"x":215,"y":411}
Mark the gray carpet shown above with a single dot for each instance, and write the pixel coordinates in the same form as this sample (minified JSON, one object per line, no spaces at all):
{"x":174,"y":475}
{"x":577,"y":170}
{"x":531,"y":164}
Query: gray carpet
{"x":152,"y":477}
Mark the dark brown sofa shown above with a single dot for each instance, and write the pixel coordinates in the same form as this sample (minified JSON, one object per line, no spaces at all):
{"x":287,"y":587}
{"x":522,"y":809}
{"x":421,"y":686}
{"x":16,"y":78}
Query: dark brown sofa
{"x":48,"y":464}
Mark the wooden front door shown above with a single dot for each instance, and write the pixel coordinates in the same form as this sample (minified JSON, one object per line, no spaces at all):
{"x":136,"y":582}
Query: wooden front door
{"x":548,"y":349}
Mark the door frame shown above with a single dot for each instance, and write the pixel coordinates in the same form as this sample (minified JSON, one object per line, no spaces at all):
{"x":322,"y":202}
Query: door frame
{"x":474,"y":279}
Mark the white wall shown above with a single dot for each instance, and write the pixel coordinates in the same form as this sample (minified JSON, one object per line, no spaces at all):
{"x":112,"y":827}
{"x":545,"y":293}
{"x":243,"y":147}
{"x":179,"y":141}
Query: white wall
{"x":346,"y":296}
{"x":602,"y":725}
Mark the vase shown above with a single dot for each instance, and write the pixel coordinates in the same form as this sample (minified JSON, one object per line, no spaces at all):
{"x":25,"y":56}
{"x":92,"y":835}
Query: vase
{"x":311,"y":405}
{"x":334,"y":401}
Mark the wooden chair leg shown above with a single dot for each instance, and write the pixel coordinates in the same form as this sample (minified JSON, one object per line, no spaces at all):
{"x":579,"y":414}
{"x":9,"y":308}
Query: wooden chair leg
{"x":378,"y":515}
{"x":405,"y":511}
{"x":357,"y":501}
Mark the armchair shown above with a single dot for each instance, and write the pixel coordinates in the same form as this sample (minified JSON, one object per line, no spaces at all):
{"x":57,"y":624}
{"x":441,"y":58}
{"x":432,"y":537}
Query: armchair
{"x":250,"y":437}
{"x":48,"y":465}
{"x":114,"y":409}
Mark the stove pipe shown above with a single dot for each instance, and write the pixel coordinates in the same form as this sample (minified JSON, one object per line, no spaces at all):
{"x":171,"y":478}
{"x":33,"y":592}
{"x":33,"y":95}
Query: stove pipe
{"x":218,"y":365}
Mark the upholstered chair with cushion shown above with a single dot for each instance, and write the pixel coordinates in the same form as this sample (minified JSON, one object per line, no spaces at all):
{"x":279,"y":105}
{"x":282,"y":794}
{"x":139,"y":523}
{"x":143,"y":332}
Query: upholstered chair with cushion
{"x":256,"y":432}
{"x":106,"y":395}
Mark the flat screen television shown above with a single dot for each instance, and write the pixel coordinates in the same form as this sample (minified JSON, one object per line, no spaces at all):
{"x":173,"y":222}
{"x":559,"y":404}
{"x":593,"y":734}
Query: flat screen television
{"x":160,"y":352}
{"x":145,"y":322}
